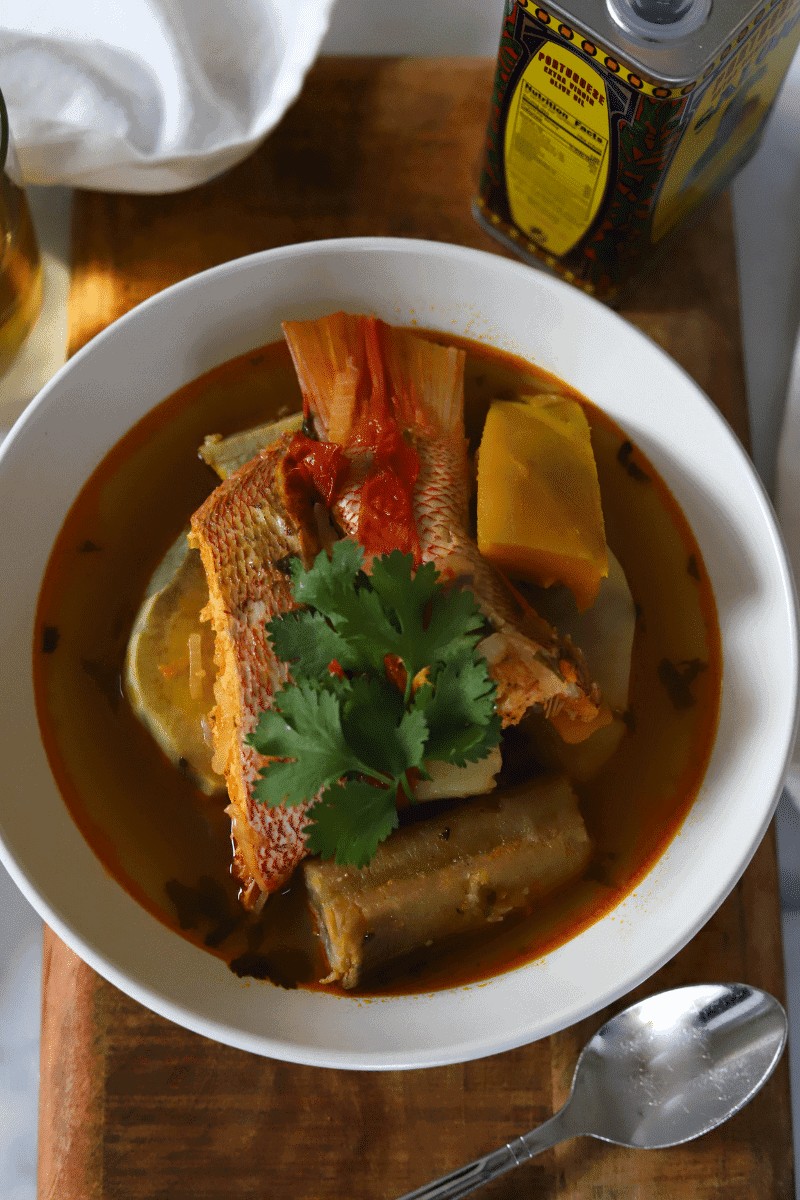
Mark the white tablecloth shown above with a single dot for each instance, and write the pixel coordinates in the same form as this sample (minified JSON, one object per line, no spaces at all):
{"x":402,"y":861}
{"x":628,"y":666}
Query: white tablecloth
{"x":768,"y":246}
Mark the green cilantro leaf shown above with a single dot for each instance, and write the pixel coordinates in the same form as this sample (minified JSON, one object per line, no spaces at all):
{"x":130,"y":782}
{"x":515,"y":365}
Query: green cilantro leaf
{"x":433,"y":623}
{"x":402,"y":592}
{"x":347,"y":741}
{"x":304,"y":725}
{"x":470,"y":744}
{"x":329,"y":583}
{"x":465,"y":690}
{"x":305,"y":640}
{"x":458,"y":705}
{"x":337,"y":589}
{"x":350,"y":821}
{"x":455,"y":625}
{"x":380,"y":730}
{"x":364,"y":625}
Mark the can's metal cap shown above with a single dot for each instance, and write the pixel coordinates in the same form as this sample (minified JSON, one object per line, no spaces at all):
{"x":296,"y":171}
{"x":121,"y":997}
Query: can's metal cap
{"x":659,"y":20}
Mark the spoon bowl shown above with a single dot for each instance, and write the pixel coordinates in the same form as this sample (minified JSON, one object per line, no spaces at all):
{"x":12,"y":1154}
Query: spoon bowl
{"x":662,"y":1072}
{"x":676,"y":1065}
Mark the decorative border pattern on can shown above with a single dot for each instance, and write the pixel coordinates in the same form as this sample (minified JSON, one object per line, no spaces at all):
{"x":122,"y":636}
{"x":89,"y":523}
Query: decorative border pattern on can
{"x":557,"y":26}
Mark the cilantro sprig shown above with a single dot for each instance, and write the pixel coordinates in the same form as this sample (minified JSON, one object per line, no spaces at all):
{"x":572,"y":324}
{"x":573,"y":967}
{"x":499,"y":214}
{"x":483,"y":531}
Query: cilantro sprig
{"x":385,"y":677}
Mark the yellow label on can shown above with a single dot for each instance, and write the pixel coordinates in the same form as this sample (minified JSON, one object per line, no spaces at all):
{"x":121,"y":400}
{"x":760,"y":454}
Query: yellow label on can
{"x":589,"y":163}
{"x":557,"y":148}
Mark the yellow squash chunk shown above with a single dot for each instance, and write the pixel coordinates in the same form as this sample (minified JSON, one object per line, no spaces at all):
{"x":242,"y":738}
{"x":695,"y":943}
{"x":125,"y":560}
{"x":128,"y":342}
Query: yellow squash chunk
{"x":539,"y":511}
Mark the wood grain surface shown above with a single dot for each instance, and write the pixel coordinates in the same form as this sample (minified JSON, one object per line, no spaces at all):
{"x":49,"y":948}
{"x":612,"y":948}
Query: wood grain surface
{"x":135,"y":1108}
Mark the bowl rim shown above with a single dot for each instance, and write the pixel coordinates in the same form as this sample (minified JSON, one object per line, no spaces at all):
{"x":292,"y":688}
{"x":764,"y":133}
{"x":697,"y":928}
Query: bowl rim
{"x":174,"y":1010}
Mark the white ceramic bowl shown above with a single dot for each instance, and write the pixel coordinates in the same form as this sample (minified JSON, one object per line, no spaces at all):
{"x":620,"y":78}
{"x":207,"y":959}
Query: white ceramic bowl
{"x":203,"y":321}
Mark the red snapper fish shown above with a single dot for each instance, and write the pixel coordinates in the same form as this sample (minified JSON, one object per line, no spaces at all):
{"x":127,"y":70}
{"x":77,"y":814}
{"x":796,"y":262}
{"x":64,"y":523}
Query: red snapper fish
{"x":389,"y":465}
{"x":244,"y":533}
{"x":394,"y":402}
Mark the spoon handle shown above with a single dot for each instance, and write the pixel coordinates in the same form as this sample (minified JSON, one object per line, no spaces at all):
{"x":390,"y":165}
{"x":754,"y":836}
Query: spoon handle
{"x":466,"y":1179}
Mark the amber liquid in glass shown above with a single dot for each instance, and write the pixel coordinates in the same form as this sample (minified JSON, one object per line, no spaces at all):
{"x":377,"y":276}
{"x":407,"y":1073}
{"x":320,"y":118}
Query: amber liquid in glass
{"x":20,"y":271}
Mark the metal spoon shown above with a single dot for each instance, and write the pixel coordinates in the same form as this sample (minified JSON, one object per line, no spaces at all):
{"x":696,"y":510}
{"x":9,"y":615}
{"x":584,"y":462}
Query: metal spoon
{"x":662,"y":1072}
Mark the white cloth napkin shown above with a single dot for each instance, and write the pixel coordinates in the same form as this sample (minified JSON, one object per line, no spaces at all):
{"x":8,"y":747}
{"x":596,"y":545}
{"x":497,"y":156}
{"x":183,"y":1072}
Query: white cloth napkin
{"x":149,"y":95}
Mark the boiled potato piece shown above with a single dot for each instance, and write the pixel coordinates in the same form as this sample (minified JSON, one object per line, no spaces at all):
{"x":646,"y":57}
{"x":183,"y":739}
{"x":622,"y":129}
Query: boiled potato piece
{"x":539,"y":512}
{"x":446,"y":781}
{"x":605,"y":634}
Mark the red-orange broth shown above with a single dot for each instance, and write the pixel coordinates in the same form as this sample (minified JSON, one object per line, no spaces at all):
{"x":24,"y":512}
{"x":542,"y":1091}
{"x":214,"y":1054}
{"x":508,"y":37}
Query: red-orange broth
{"x":168,"y":844}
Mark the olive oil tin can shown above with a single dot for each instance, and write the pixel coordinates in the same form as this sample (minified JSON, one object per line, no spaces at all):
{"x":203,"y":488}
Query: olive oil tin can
{"x":612,"y":120}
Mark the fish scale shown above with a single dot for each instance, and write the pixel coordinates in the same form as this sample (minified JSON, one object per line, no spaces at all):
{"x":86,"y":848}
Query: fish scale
{"x":441,"y":496}
{"x":242,"y":531}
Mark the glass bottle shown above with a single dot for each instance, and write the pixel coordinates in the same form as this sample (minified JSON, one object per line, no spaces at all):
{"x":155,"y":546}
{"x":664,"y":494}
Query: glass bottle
{"x":20,"y":264}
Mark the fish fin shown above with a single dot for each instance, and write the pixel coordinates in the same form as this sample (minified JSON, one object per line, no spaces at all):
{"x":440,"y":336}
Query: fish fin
{"x":357,"y":374}
{"x":331,"y":358}
{"x":426,"y":381}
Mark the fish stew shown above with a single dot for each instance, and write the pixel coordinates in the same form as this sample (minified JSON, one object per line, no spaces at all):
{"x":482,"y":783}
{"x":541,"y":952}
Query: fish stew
{"x":167,"y":842}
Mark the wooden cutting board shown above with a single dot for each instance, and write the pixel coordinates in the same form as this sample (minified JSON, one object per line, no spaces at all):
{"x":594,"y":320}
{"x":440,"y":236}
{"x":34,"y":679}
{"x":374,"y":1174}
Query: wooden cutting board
{"x":136,"y":1108}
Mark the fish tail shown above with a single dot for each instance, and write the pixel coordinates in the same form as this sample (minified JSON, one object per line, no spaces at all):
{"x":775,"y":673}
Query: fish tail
{"x":426,"y":382}
{"x":358,"y":375}
{"x":338,"y":367}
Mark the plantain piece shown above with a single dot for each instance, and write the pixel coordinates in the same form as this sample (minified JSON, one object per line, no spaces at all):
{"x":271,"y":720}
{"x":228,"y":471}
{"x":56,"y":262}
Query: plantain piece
{"x":226,"y":455}
{"x":448,"y":875}
{"x":169,"y":665}
{"x":582,"y":761}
